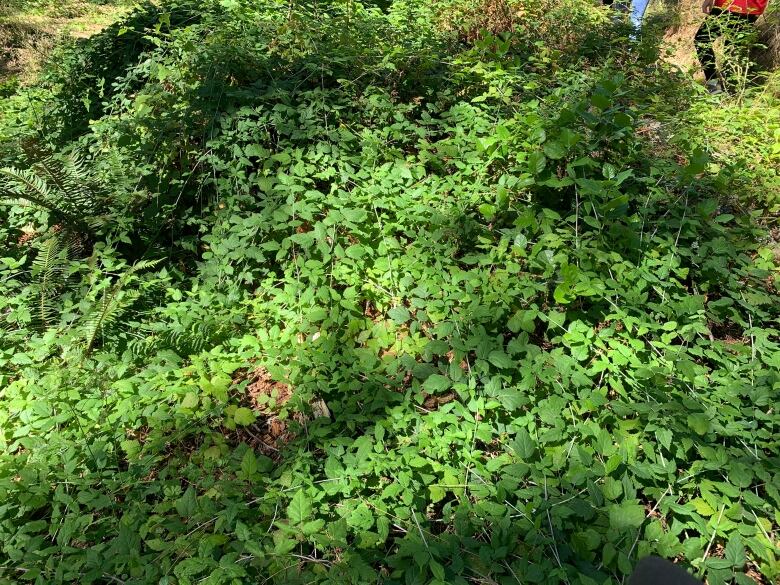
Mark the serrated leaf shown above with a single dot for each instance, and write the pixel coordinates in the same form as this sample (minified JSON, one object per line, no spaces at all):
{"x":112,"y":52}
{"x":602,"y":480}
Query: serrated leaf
{"x":499,"y":359}
{"x":244,"y":416}
{"x":187,"y":504}
{"x":554,"y":150}
{"x":523,"y":321}
{"x":437,"y":493}
{"x":487,"y":211}
{"x":524,"y":445}
{"x":536,"y":162}
{"x":361,"y":518}
{"x":562,"y":294}
{"x":249,"y":465}
{"x":699,"y":423}
{"x":313,"y":526}
{"x":299,"y":509}
{"x":702,"y":507}
{"x":624,"y":516}
{"x":399,"y":314}
{"x":190,"y":400}
{"x":735,"y":551}
{"x":436,"y":383}
{"x":664,"y":436}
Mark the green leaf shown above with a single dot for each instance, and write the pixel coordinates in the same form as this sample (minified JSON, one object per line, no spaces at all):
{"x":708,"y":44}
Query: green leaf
{"x":300,"y":508}
{"x":354,"y":215}
{"x":554,"y":150}
{"x":187,"y":504}
{"x":612,"y":488}
{"x":437,"y":493}
{"x":361,"y":517}
{"x":524,"y":445}
{"x":131,"y":448}
{"x":249,"y":465}
{"x":190,"y":400}
{"x":436,"y":383}
{"x":255,"y":150}
{"x":735,"y":551}
{"x":664,"y":436}
{"x":625,"y":516}
{"x":487,"y":211}
{"x":700,"y":423}
{"x":510,"y":398}
{"x":437,"y":570}
{"x":562,"y":294}
{"x":399,"y":314}
{"x":555,"y":320}
{"x":523,"y":321}
{"x":536,"y":162}
{"x":313,"y":526}
{"x":499,"y":359}
{"x":244,"y":416}
{"x":702,"y":507}
{"x":356,"y":251}
{"x":601,"y":101}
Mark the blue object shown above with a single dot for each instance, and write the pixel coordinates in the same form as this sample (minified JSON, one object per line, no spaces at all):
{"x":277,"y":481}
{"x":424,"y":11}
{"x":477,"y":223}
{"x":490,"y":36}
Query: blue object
{"x":638,"y":8}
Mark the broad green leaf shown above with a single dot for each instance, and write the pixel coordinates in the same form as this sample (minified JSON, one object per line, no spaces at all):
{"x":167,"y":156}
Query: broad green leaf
{"x":523,"y":321}
{"x":702,"y":507}
{"x":399,"y":314}
{"x":249,"y":465}
{"x":244,"y":416}
{"x":437,"y":570}
{"x":700,"y":423}
{"x":735,"y":551}
{"x":190,"y":400}
{"x":300,"y":508}
{"x":554,"y":150}
{"x":436,"y":383}
{"x":361,"y":517}
{"x":536,"y":162}
{"x":499,"y":359}
{"x":524,"y":445}
{"x":626,"y":515}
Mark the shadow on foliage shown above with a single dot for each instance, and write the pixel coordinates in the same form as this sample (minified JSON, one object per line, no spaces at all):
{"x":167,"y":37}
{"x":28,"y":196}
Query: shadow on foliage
{"x":552,"y":423}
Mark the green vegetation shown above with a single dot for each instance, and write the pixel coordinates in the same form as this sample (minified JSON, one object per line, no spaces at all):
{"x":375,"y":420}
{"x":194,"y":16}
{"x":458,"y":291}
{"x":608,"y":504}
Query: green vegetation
{"x":30,"y":29}
{"x":411,"y":293}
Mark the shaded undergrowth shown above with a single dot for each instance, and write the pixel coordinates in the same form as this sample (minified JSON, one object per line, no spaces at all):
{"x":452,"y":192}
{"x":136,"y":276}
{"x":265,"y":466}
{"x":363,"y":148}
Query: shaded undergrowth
{"x":424,"y":311}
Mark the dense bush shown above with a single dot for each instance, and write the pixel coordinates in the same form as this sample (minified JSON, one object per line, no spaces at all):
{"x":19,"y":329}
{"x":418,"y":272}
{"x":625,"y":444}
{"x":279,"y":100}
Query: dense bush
{"x":332,"y":293}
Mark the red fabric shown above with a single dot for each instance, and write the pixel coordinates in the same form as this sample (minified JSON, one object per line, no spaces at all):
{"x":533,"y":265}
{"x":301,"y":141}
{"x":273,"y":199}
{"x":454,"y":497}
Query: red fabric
{"x":743,"y":6}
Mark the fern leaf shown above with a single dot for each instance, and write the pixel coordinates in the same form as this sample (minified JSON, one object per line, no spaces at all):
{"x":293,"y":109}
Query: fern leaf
{"x":113,"y":304}
{"x":49,"y":268}
{"x":60,"y":185}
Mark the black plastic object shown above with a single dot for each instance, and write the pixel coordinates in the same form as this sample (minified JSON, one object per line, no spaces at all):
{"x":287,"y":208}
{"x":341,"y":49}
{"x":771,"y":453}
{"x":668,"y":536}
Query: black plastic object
{"x":657,"y":571}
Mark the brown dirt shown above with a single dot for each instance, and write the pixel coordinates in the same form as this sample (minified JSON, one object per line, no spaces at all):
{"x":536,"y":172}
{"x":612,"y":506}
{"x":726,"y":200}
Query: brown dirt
{"x":266,"y":436}
{"x":753,"y":574}
{"x":433,"y":402}
{"x":27,"y":38}
{"x":266,"y":394}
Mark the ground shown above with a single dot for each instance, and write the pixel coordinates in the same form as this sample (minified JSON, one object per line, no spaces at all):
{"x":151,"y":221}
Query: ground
{"x":27,"y":34}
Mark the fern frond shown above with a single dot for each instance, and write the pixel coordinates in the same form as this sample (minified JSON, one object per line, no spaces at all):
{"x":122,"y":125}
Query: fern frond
{"x":61,"y":185}
{"x":49,"y":269}
{"x":113,"y":304}
{"x":26,"y":185}
{"x":143,"y":265}
{"x":71,"y":179}
{"x":115,"y":301}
